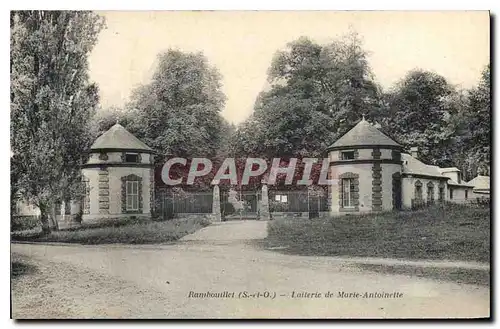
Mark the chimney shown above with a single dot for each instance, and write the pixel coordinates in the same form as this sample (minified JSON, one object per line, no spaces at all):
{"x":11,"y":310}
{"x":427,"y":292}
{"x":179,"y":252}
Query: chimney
{"x":414,"y":152}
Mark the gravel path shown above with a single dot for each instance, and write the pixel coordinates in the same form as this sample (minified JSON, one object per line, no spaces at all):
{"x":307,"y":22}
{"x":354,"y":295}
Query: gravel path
{"x":172,"y":281}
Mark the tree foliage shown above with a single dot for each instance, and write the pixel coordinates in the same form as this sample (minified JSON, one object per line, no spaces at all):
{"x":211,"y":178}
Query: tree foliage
{"x":317,"y":92}
{"x":178,"y":112}
{"x":106,"y":118}
{"x":419,"y":110}
{"x":52,"y":101}
{"x":451,"y":127}
{"x":479,"y":116}
{"x":472,"y":126}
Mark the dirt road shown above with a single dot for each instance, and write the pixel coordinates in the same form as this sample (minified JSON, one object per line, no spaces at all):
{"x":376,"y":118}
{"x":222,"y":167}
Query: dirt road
{"x":218,"y":272}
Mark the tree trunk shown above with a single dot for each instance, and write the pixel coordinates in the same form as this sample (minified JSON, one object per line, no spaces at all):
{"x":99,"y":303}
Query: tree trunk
{"x":55,"y":225}
{"x":44,"y":218}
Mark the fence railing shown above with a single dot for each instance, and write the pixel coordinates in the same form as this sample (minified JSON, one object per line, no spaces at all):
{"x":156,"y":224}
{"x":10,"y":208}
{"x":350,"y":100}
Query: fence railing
{"x":246,"y":203}
{"x":297,"y":201}
{"x":169,"y":203}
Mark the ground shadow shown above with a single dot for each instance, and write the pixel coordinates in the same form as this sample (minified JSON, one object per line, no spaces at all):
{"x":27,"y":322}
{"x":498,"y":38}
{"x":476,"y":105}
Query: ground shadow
{"x":457,"y":275}
{"x":266,"y":244}
{"x":20,"y":268}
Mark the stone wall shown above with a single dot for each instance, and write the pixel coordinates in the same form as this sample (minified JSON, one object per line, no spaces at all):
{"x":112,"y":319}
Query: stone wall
{"x":106,"y":191}
{"x":116,"y":174}
{"x":388,"y":170}
{"x":100,"y":218}
{"x":216,"y":210}
{"x":408,"y":189}
{"x":364,"y":173}
{"x":103,"y":187}
{"x":377,"y":186}
{"x":264,"y":204}
{"x":289,"y":215}
{"x":459,"y":193}
{"x":209,"y":217}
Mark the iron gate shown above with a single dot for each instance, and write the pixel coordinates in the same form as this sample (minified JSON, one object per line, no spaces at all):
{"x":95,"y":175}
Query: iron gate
{"x":240,"y":204}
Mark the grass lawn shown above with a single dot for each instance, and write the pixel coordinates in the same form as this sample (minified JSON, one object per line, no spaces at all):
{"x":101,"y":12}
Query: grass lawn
{"x":133,"y":233}
{"x":456,"y":233}
{"x":459,"y":275}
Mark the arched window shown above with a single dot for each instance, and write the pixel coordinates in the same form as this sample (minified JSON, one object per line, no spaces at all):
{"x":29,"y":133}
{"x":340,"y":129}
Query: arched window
{"x":441,"y":195}
{"x":430,"y":192}
{"x":418,"y":190}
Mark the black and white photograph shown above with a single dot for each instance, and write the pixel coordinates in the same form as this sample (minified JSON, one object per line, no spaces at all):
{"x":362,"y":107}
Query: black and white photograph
{"x":250,"y":164}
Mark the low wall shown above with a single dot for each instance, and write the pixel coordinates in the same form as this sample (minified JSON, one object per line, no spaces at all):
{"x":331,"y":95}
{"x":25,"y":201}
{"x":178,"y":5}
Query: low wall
{"x":90,"y":219}
{"x":208,"y":216}
{"x":237,"y":216}
{"x":62,"y":225}
{"x":299,"y":215}
{"x":290,"y":215}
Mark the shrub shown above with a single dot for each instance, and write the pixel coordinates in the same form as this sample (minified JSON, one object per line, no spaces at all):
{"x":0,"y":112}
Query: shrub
{"x":228,"y":209}
{"x":482,"y":202}
{"x":113,"y":222}
{"x":127,"y":232}
{"x":277,"y":206}
{"x":21,"y":223}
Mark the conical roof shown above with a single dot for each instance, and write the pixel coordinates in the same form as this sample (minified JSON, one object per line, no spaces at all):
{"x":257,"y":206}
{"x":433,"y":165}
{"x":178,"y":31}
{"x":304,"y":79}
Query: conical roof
{"x":364,"y":133}
{"x":117,"y":137}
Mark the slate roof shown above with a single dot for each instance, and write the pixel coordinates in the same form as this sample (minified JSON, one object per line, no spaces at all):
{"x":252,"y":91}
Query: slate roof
{"x":118,"y":137}
{"x":480,"y":183}
{"x":449,"y":169}
{"x":364,"y":133}
{"x":414,"y":166}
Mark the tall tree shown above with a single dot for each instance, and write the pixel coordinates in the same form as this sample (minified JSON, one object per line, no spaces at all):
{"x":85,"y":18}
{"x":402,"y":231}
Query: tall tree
{"x":480,"y":120}
{"x":227,"y":132}
{"x":317,"y":92}
{"x":178,"y":112}
{"x":52,"y":102}
{"x":420,"y":109}
{"x":472,"y":126}
{"x":106,"y":118}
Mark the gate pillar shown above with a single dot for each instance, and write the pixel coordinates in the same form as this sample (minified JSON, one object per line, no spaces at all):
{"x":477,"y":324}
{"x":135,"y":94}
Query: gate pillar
{"x":216,"y":204}
{"x":264,"y":204}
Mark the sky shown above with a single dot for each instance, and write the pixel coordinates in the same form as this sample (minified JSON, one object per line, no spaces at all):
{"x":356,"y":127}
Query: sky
{"x":241,"y":45}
